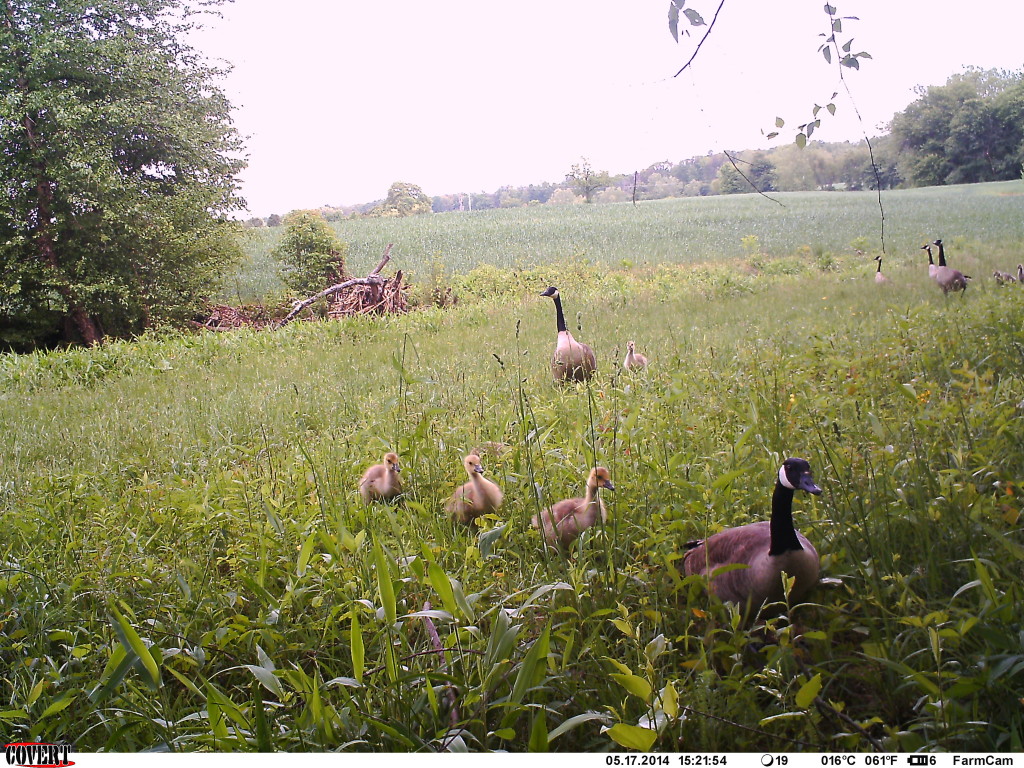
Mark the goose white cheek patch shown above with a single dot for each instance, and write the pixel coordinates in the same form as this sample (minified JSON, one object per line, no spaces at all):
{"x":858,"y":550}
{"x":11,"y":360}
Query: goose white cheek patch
{"x":785,"y":480}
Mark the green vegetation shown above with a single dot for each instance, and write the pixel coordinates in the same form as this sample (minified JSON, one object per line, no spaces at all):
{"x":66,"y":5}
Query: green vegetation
{"x":680,"y":231}
{"x":117,"y":173}
{"x":187,"y":563}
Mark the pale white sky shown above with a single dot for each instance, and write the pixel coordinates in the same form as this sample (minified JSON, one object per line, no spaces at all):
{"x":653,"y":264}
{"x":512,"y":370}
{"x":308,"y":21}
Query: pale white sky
{"x":339,"y":100}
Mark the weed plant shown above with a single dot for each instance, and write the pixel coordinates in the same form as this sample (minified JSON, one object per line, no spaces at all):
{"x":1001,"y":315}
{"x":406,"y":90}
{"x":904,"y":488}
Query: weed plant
{"x":187,"y":564}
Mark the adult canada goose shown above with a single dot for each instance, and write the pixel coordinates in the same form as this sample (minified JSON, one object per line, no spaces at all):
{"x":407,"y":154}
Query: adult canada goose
{"x":880,"y":279}
{"x":767,"y":549}
{"x":634,"y":360}
{"x":1020,"y":274}
{"x":477,"y":497}
{"x":561,"y":523}
{"x":572,"y":361}
{"x":381,"y":481}
{"x":949,"y":279}
{"x":931,"y":262}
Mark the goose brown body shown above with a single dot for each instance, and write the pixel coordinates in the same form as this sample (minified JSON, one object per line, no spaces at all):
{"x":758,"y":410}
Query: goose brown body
{"x":767,"y":549}
{"x":634,"y":360}
{"x":949,"y":279}
{"x":880,"y":279}
{"x":477,"y":497}
{"x":573,"y":360}
{"x":564,"y":521}
{"x":381,"y":481}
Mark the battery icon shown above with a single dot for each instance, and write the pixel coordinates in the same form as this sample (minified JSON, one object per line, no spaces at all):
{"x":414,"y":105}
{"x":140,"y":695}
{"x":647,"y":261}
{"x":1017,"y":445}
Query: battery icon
{"x":917,"y":759}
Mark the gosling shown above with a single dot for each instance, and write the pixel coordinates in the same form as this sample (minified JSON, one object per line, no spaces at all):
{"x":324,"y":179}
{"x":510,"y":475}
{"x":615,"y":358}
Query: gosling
{"x":477,"y":497}
{"x":563,"y":522}
{"x":634,"y":360}
{"x":381,"y":481}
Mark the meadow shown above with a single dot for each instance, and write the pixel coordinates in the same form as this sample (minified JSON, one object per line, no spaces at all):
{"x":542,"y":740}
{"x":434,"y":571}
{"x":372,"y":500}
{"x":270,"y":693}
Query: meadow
{"x":187,"y":564}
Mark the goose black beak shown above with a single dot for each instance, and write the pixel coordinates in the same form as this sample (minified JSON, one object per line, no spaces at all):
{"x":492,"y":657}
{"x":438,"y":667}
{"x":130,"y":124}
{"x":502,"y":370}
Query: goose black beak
{"x":608,"y":486}
{"x":807,"y":484}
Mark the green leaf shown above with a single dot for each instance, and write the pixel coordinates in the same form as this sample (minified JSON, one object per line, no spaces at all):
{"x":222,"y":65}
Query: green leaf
{"x":58,"y":705}
{"x":130,"y":639}
{"x":525,"y":679}
{"x":263,"y":743}
{"x":801,"y":140}
{"x":572,"y":722}
{"x":538,"y":732}
{"x":304,"y":554}
{"x":779,"y":122}
{"x":696,"y":20}
{"x":267,"y":679}
{"x":632,"y":736}
{"x":673,"y":21}
{"x":634,"y":684}
{"x":356,"y":646}
{"x":805,"y":696}
{"x":443,"y":587}
{"x":385,"y":587}
{"x":723,"y":480}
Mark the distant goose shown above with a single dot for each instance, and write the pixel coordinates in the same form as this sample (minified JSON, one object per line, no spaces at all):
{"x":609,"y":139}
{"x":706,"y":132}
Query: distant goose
{"x":880,"y":279}
{"x":949,"y":279}
{"x":932,"y":267}
{"x":573,"y":360}
{"x":634,"y":360}
{"x":767,"y":548}
{"x":1020,"y":274}
{"x":1003,"y":277}
{"x":475,"y":498}
{"x":381,"y":481}
{"x":563,"y":522}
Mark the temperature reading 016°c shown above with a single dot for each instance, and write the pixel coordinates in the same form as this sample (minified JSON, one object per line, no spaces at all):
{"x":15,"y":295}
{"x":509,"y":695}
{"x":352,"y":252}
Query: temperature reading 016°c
{"x":838,"y":761}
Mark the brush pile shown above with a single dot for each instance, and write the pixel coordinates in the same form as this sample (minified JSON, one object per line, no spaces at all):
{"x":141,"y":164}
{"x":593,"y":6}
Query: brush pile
{"x":373,"y":294}
{"x":222,"y":317}
{"x":381,"y":298}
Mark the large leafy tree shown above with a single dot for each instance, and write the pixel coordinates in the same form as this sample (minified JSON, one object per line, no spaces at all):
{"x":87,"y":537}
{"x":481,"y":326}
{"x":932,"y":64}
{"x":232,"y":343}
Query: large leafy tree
{"x":117,"y":169}
{"x":965,"y":131}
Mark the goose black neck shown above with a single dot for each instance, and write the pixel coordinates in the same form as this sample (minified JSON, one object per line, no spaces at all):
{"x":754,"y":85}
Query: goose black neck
{"x":560,"y":318}
{"x":783,"y":533}
{"x":879,"y":266}
{"x":942,"y":255}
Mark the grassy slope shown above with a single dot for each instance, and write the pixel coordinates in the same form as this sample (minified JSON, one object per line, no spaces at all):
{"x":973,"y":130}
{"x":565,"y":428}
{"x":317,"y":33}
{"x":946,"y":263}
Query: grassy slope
{"x":204,"y":490}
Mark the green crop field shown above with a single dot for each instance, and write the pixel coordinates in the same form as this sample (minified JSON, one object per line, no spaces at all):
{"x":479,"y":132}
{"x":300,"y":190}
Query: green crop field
{"x":671,"y":231}
{"x":187,"y":563}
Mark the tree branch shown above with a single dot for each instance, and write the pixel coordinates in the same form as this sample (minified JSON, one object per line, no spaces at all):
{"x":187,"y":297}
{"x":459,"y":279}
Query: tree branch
{"x":753,"y":186}
{"x":697,"y":49}
{"x":373,"y":278}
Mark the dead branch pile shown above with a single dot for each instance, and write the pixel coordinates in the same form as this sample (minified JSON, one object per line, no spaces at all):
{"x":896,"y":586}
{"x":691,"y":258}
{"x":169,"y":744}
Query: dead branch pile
{"x":382,"y":298}
{"x":222,"y":317}
{"x":374,"y":294}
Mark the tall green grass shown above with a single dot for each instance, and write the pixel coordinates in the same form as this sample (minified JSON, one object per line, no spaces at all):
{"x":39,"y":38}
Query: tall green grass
{"x":187,"y":564}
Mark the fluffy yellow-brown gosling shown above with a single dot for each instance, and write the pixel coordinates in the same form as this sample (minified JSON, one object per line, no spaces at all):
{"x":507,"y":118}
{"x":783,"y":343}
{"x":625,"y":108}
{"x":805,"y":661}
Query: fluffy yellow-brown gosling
{"x":634,"y":360}
{"x":381,"y":481}
{"x":573,"y":360}
{"x":768,"y":549}
{"x":563,"y":522}
{"x":477,"y":497}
